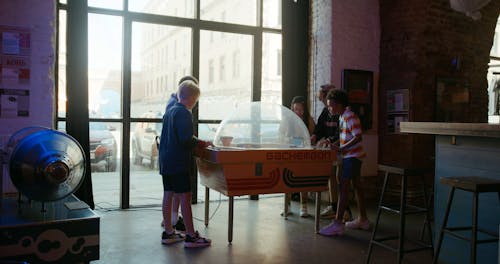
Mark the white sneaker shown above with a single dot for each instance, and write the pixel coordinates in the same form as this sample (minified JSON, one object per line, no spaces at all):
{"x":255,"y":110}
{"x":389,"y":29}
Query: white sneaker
{"x":328,"y":212}
{"x":358,"y":224}
{"x":303,"y":212}
{"x":333,"y":229}
{"x":167,"y":239}
{"x":286,"y":214}
{"x":196,"y":241}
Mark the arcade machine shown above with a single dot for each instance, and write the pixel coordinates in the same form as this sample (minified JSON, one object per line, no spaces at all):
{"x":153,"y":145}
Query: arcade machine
{"x":46,"y":222}
{"x":260,"y":149}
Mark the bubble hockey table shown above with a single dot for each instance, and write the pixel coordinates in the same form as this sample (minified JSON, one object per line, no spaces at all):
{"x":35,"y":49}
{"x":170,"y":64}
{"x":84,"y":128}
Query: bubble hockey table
{"x":235,"y":171}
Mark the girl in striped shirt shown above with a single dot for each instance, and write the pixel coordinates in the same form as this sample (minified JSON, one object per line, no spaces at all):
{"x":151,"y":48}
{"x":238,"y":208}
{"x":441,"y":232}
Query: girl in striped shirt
{"x":349,"y":145}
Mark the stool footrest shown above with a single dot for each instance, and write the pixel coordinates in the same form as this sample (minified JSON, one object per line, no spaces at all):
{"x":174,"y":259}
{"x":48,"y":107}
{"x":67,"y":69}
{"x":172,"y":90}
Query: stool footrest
{"x":380,"y":239}
{"x":453,"y":231}
{"x":464,"y":228}
{"x":380,"y":242}
{"x":410,"y":209}
{"x":384,"y":246}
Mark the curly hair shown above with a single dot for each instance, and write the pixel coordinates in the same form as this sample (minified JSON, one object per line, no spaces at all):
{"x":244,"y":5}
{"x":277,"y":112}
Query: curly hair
{"x":338,"y":96}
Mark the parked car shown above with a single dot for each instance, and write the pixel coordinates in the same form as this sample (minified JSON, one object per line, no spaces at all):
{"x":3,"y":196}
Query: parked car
{"x":103,"y":148}
{"x":144,"y":149}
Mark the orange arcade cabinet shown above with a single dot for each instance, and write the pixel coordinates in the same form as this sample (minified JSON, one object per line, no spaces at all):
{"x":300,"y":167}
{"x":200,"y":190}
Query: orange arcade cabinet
{"x":261,"y":149}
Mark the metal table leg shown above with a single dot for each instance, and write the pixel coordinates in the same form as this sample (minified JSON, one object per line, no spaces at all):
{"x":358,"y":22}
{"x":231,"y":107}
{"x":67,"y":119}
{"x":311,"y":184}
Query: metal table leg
{"x":316,"y":214}
{"x":285,"y":211}
{"x":207,"y":199}
{"x":230,"y":225}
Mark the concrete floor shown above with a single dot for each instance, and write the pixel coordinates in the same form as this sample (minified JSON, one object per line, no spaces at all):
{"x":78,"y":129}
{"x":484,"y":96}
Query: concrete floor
{"x":260,"y":235}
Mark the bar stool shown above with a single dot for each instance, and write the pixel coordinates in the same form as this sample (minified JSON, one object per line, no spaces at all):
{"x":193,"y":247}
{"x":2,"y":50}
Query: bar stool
{"x":402,"y":210}
{"x":476,"y":185}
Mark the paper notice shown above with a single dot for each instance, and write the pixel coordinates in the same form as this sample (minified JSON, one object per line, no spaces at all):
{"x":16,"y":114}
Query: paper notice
{"x":10,"y":43}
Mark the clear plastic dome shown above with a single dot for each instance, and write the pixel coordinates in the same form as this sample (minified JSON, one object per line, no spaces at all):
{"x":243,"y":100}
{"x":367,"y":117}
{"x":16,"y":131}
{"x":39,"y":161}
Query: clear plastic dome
{"x":260,"y":125}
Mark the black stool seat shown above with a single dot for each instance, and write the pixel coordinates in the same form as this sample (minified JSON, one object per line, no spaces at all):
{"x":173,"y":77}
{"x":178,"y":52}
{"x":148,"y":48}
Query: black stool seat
{"x":476,"y":185}
{"x":402,"y":209}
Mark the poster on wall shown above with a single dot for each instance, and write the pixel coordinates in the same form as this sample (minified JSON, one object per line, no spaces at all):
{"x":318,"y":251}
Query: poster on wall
{"x":397,"y":100}
{"x":14,"y":103}
{"x":15,"y":71}
{"x":397,"y":109}
{"x":15,"y":54}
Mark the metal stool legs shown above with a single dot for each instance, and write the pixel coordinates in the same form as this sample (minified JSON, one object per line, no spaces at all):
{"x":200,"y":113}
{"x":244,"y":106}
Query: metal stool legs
{"x":445,"y":222}
{"x":379,"y":211}
{"x":402,"y":216}
{"x":473,"y":240}
{"x":403,"y":210}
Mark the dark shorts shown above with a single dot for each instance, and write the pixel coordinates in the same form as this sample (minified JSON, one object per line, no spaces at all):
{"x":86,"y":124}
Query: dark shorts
{"x":351,"y":168}
{"x":177,"y":183}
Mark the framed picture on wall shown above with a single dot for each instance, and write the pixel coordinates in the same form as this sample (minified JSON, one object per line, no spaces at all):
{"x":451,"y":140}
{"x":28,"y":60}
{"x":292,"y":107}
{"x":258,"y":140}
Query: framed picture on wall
{"x":397,"y":109}
{"x":359,"y":87}
{"x":452,"y":98}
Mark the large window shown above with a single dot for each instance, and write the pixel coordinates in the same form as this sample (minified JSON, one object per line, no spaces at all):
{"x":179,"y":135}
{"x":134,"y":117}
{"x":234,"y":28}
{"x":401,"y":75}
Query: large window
{"x":493,"y":77}
{"x":138,"y":53}
{"x":221,"y":94}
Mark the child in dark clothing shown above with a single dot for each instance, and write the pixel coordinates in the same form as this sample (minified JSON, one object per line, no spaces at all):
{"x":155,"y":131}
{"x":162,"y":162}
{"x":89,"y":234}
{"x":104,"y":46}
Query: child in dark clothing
{"x":176,"y":146}
{"x":177,"y":220}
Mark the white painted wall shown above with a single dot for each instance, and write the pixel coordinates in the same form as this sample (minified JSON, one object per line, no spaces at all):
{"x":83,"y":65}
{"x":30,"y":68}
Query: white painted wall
{"x":39,"y":17}
{"x":355,"y":45}
{"x":346,"y":35}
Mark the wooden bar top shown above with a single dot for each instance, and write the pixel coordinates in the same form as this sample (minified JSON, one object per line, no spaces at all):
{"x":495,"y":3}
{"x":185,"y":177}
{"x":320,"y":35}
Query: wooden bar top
{"x":452,"y":129}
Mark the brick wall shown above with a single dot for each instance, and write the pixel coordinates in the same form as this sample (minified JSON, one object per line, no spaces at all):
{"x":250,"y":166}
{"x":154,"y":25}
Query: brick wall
{"x":419,"y":40}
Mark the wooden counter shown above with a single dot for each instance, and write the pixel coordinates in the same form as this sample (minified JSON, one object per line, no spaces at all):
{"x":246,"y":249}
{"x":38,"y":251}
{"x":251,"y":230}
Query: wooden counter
{"x":452,"y":129}
{"x":464,"y":149}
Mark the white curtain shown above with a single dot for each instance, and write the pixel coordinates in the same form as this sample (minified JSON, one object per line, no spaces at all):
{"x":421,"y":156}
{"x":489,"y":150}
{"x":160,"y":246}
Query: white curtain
{"x":469,"y":7}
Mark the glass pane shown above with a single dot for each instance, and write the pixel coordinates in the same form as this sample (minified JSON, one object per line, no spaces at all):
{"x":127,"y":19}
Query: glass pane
{"x":495,"y":48}
{"x":242,"y":12}
{"x":177,"y":8}
{"x":272,"y":14}
{"x":207,"y":131}
{"x":145,"y":182}
{"x":225,"y":73}
{"x":262,"y":125}
{"x":161,"y":55}
{"x":271,"y":68}
{"x":61,"y":74}
{"x":105,"y":152}
{"x":105,"y":66}
{"x":110,"y":4}
{"x":63,"y":1}
{"x":61,"y":126}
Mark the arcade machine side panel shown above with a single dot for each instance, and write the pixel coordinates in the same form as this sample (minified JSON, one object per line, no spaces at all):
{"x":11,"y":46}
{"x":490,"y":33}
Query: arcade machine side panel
{"x":60,"y":235}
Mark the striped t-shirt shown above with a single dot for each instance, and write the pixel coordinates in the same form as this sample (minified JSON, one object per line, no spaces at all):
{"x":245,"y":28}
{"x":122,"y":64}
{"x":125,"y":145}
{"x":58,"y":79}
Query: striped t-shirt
{"x":350,"y":126}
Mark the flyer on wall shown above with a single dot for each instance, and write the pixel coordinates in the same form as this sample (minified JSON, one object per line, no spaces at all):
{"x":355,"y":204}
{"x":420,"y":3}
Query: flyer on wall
{"x":15,"y":67}
{"x":14,"y":103}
